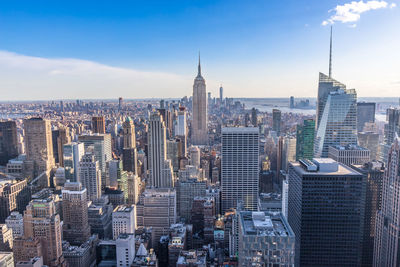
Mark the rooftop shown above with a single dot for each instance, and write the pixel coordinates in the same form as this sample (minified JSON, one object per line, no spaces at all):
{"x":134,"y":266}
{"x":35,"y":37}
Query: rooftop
{"x":262,"y":223}
{"x":325,"y":166}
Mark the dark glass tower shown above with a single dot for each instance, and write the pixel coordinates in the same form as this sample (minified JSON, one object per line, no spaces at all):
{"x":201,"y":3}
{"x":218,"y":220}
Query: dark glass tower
{"x":305,"y":140}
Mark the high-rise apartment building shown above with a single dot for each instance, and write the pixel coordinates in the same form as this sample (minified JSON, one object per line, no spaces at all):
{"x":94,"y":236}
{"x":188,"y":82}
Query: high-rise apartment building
{"x":159,"y":166}
{"x":326,"y":212}
{"x":373,"y":172}
{"x":38,"y":144}
{"x":336,"y":116}
{"x":365,"y":113}
{"x":90,"y":176}
{"x":239,"y":167}
{"x":76,"y":229}
{"x":199,"y":118}
{"x":276,"y":121}
{"x":387,"y":236}
{"x":123,"y":220}
{"x":43,"y":223}
{"x":98,"y":124}
{"x":14,"y":196}
{"x":157,"y":209}
{"x":8,"y":141}
{"x":305,"y":140}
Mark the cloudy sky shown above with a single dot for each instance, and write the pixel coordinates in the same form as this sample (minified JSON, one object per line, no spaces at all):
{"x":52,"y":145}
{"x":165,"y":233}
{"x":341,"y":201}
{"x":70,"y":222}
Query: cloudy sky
{"x":144,"y":49}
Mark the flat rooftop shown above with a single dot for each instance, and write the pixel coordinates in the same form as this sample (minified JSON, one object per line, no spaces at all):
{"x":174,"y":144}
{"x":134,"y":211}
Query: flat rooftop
{"x":341,"y":168}
{"x":262,"y":223}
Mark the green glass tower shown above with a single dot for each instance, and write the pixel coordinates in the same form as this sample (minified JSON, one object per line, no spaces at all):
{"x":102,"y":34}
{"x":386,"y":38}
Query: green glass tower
{"x":305,"y":140}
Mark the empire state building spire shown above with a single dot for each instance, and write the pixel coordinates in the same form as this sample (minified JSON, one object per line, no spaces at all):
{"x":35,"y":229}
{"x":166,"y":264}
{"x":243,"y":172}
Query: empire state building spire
{"x":199,"y":68}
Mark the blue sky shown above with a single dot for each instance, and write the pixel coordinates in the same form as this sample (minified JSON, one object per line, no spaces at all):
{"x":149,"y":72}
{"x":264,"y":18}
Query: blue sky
{"x":135,"y":49}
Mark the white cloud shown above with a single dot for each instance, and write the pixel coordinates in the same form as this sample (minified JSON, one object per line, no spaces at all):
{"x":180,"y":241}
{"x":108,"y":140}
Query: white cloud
{"x":27,"y":77}
{"x":351,"y":12}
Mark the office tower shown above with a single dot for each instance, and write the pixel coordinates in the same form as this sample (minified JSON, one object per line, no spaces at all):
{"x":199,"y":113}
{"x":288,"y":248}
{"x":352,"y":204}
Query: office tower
{"x":167,"y":118}
{"x":157,"y":209}
{"x":370,"y":140}
{"x":129,"y":152}
{"x":73,"y":153}
{"x":115,"y":173}
{"x":194,"y":153}
{"x":288,"y":151}
{"x":265,"y":239}
{"x":60,"y":137}
{"x":199,"y":119}
{"x":100,"y":218}
{"x":38,"y":144}
{"x":276,"y":121}
{"x":392,"y":127}
{"x":14,"y":196}
{"x":305,"y":140}
{"x":123,"y":220}
{"x":125,"y":248}
{"x":203,"y":217}
{"x":326,"y":211}
{"x":134,"y":184}
{"x":42,"y":222}
{"x":187,"y":190}
{"x":98,"y":124}
{"x":6,"y":238}
{"x":239,"y":167}
{"x":181,"y":125}
{"x":90,"y":176}
{"x":221,"y":94}
{"x":291,"y":102}
{"x":159,"y":166}
{"x":365,"y":113}
{"x":373,"y":172}
{"x":76,"y":229}
{"x":254,"y":117}
{"x":8,"y":141}
{"x":101,"y":146}
{"x":349,"y":155}
{"x":336,"y":116}
{"x":16,"y":223}
{"x":387,"y":236}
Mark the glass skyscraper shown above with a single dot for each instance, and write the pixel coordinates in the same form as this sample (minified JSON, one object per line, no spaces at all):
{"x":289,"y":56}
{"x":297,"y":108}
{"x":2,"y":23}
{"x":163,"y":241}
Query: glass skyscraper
{"x":336,"y":116}
{"x":305,"y":140}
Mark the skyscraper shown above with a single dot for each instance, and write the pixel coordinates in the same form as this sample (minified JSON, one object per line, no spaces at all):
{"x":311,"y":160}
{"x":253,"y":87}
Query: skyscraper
{"x":43,"y":223}
{"x":123,"y":220}
{"x":160,"y":167}
{"x":129,"y":152}
{"x":181,"y":127}
{"x":305,"y":140}
{"x":98,"y":124}
{"x":221,"y":94}
{"x":387,"y":237}
{"x":392,"y":127}
{"x":73,"y":153}
{"x":276,"y":121}
{"x":90,"y":176}
{"x":76,"y":228}
{"x":239,"y":167}
{"x":365,"y":113}
{"x":336,"y":116}
{"x":38,"y":144}
{"x":254,"y":117}
{"x":8,"y":141}
{"x":199,"y":121}
{"x":326,"y":212}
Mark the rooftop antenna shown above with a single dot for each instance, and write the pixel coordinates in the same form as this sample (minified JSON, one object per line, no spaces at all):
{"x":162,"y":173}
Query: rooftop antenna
{"x":330,"y":56}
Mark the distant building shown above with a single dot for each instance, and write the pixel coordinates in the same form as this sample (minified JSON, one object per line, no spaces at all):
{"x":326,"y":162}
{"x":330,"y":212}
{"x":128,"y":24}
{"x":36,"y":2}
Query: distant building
{"x":129,"y":152}
{"x":73,"y":153}
{"x":276,"y":121}
{"x":370,"y":140}
{"x":187,"y":190}
{"x":349,"y":155}
{"x":291,"y":102}
{"x":325,"y":211}
{"x":98,"y":124}
{"x":123,"y":220}
{"x":8,"y":141}
{"x":365,"y":113}
{"x":100,"y":218}
{"x":14,"y":196}
{"x":90,"y":176}
{"x":265,"y":238}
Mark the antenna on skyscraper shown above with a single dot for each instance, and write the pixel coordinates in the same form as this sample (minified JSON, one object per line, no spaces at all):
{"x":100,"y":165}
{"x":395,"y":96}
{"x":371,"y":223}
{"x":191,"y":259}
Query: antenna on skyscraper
{"x":330,"y":56}
{"x":199,"y":67}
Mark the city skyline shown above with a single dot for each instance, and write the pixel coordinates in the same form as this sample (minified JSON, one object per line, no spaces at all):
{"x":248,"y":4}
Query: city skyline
{"x":120,"y":50}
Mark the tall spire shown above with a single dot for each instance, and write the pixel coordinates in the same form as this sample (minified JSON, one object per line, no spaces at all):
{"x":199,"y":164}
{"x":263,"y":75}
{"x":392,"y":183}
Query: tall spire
{"x":330,"y":56}
{"x":199,"y":67}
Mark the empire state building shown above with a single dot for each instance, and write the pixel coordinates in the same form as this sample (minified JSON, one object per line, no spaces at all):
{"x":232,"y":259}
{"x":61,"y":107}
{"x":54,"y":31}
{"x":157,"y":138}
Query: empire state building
{"x":199,"y":122}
